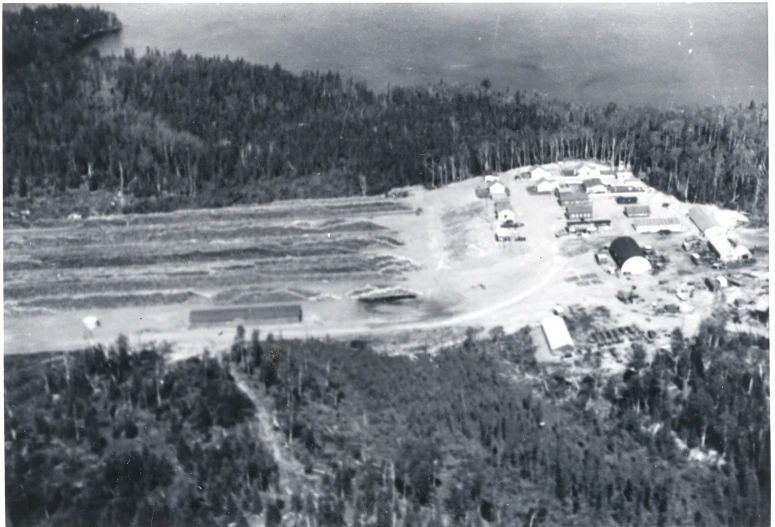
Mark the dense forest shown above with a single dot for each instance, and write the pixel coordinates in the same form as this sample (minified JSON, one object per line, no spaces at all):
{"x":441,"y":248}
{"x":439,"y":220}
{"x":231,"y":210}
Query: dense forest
{"x":172,"y":131}
{"x":475,"y":435}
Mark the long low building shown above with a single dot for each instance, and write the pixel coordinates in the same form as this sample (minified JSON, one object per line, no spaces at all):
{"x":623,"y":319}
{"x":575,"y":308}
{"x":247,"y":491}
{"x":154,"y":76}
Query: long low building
{"x":573,"y":198}
{"x":637,"y":211}
{"x":582,"y":211}
{"x":725,"y":251}
{"x":651,"y":225}
{"x":557,"y":336}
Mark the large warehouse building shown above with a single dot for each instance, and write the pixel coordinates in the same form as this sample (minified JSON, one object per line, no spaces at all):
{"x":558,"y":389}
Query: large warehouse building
{"x":557,"y":335}
{"x":646,"y":225}
{"x":725,"y":251}
{"x":705,"y":220}
{"x":629,"y":256}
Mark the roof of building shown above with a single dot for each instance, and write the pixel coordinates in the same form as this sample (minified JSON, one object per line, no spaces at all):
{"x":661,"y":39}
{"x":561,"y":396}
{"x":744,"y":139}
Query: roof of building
{"x":656,"y":222}
{"x":703,"y":217}
{"x":503,"y":205}
{"x":637,"y":209}
{"x":497,"y":186}
{"x":721,"y":243}
{"x":573,"y":196}
{"x":624,"y":248}
{"x":545,"y":180}
{"x":556,"y":332}
{"x":592,"y":182}
{"x":579,"y":208}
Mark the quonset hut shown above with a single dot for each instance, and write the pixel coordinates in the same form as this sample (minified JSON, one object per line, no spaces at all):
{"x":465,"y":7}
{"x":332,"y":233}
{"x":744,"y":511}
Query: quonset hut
{"x":629,"y":256}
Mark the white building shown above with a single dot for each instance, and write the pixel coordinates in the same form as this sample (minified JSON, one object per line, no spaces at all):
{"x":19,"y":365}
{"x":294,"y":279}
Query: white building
{"x":539,"y":173}
{"x":705,"y":220}
{"x":556,"y":333}
{"x":504,"y":212}
{"x":586,"y":171}
{"x":724,"y":250}
{"x":595,"y":186}
{"x":653,"y":225}
{"x":497,"y":189}
{"x":491,"y":179}
{"x":544,"y":186}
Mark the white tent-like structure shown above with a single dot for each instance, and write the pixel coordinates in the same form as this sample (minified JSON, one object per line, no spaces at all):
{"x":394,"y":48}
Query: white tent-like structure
{"x":557,"y":336}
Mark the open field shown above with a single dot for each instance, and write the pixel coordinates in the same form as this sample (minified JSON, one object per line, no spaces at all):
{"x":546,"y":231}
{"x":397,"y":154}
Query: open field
{"x":143,"y":274}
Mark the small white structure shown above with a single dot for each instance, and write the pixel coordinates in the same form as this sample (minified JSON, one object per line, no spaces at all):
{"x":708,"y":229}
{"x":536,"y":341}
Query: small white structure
{"x":545,"y":186}
{"x":491,"y":179}
{"x":504,"y":234}
{"x":705,"y":220}
{"x":723,"y":283}
{"x":74,"y":216}
{"x":540,"y":173}
{"x":556,"y":333}
{"x":587,"y":171}
{"x":90,"y":324}
{"x":595,"y":186}
{"x":497,"y":189}
{"x":504,"y":212}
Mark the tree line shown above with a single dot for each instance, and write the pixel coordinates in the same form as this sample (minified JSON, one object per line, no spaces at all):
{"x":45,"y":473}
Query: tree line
{"x":195,"y":131}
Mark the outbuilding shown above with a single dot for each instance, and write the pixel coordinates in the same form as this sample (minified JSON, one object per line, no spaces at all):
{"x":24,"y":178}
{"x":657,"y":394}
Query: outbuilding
{"x":629,"y":256}
{"x":705,"y":220}
{"x":581,"y":211}
{"x":557,"y":336}
{"x":637,"y":211}
{"x":653,"y":225}
{"x":540,"y":173}
{"x":491,"y":179}
{"x":594,"y":186}
{"x":504,"y":212}
{"x":545,"y":186}
{"x":586,"y":171}
{"x":497,"y":189}
{"x":626,"y":200}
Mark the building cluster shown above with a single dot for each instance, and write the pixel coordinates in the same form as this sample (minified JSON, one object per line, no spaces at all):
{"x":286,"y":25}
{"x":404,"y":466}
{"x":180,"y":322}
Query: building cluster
{"x":716,"y":236}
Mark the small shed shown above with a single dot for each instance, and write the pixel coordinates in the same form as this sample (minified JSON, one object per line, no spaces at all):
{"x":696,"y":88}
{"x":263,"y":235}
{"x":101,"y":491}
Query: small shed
{"x":497,"y":189}
{"x":557,"y":336}
{"x":491,"y":179}
{"x":637,"y":211}
{"x":601,"y":258}
{"x":579,"y":212}
{"x":504,"y":212}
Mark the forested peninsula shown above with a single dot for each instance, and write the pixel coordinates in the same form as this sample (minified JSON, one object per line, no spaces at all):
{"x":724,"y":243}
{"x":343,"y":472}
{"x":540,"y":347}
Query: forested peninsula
{"x":169,"y":131}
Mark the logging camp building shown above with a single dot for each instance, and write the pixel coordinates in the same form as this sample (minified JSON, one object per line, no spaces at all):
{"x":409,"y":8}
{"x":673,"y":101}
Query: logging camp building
{"x":629,"y":256}
{"x":557,"y":336}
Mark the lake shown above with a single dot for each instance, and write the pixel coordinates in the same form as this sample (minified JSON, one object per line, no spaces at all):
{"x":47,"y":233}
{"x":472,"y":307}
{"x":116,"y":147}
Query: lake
{"x":659,"y":54}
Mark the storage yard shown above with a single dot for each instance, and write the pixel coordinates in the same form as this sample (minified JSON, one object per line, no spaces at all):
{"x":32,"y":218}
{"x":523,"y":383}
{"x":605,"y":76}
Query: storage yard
{"x":495,"y":252}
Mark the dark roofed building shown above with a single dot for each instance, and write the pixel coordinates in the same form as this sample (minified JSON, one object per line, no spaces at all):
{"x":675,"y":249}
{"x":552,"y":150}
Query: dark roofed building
{"x":573,"y":198}
{"x":580,"y":211}
{"x":637,"y":211}
{"x":629,"y":256}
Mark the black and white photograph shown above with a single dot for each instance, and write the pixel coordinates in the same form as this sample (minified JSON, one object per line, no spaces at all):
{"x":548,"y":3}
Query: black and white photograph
{"x":386,"y":264}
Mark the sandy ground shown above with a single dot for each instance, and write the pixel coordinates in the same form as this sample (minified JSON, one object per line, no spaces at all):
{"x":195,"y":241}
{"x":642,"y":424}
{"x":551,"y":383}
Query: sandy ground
{"x":466,"y":278}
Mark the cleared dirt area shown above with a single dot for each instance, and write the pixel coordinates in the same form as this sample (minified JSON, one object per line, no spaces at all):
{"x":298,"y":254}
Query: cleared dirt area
{"x":142,"y":275}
